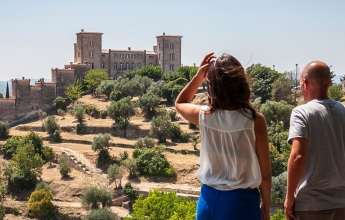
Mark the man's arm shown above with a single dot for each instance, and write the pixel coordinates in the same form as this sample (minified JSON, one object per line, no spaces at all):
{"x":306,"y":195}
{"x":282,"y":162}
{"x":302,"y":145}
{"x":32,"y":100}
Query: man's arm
{"x":295,"y":170}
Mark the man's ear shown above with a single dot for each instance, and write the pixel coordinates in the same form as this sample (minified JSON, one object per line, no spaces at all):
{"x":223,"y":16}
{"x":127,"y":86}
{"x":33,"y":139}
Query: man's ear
{"x":305,"y":83}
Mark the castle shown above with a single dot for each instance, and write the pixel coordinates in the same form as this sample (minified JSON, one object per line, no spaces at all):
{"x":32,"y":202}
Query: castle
{"x":27,"y":99}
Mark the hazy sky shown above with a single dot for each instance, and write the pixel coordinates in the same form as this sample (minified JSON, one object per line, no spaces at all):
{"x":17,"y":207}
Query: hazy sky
{"x":36,"y":36}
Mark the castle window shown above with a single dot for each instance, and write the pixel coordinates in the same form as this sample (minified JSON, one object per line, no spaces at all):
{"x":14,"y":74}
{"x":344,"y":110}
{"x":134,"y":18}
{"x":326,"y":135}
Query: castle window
{"x":32,"y":108}
{"x":121,"y":66}
{"x":78,"y":53}
{"x":115,"y":66}
{"x":171,"y":56}
{"x":138,"y":65}
{"x":127,"y":56}
{"x":171,"y":67}
{"x":151,"y":57}
{"x":160,"y":46}
{"x":133,"y":66}
{"x":91,"y":43}
{"x":133,"y":56}
{"x":171,"y":45}
{"x":127,"y":66}
{"x":91,"y":66}
{"x":150,"y":64}
{"x":121,"y":55}
{"x":115,"y":77}
{"x":139,"y":56}
{"x":159,"y":56}
{"x":91,"y":53}
{"x":36,"y":107}
{"x":115,"y":55}
{"x":102,"y":65}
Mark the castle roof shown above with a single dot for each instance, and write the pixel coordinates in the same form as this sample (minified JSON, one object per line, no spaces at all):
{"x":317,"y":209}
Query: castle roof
{"x":151,"y":52}
{"x":83,"y":32}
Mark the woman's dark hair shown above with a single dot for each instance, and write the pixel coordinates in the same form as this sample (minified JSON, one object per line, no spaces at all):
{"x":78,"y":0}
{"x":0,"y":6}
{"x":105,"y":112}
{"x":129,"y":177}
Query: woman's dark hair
{"x":227,"y":86}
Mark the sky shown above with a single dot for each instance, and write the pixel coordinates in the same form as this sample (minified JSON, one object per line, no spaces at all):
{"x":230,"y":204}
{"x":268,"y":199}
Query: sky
{"x":38,"y":35}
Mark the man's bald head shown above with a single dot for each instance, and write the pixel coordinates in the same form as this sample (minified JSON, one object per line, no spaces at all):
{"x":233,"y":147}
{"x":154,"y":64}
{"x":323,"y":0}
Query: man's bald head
{"x":317,"y":73}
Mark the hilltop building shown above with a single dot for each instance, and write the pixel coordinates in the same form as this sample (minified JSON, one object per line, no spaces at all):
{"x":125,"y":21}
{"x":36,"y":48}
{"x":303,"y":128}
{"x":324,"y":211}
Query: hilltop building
{"x":27,"y":99}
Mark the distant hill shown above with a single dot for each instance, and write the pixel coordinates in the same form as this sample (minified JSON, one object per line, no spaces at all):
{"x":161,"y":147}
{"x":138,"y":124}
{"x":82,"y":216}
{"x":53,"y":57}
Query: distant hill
{"x":3,"y":85}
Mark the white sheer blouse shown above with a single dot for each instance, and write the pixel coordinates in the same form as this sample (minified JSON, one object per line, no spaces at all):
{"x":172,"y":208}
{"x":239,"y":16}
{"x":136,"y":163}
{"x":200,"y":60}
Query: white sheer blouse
{"x":227,"y":156}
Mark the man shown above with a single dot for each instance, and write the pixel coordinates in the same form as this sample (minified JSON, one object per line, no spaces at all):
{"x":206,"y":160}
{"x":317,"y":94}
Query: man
{"x":316,"y":167}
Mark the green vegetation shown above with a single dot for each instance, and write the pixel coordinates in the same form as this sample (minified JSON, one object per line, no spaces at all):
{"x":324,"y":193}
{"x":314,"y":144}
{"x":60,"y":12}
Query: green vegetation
{"x":74,"y":91}
{"x":129,"y":191}
{"x":4,"y":130}
{"x":335,"y":92}
{"x":160,"y":127}
{"x":115,"y":175}
{"x":162,"y":205}
{"x":64,"y":165}
{"x":152,"y":161}
{"x":93,"y":79}
{"x":60,"y":103}
{"x":101,"y":144}
{"x":52,"y":128}
{"x":92,"y":196}
{"x":40,"y":204}
{"x":101,"y":214}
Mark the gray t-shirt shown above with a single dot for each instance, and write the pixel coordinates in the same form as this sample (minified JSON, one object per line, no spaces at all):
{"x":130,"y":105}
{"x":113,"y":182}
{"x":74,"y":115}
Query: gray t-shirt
{"x":322,"y":185}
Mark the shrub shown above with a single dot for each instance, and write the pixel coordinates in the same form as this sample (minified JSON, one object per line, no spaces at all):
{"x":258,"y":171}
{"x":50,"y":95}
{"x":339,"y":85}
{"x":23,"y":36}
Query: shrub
{"x":2,"y":212}
{"x":4,"y":130}
{"x":42,"y":115}
{"x":60,"y":103}
{"x":61,"y":113}
{"x":124,"y":155}
{"x":191,"y":126}
{"x":57,"y":136}
{"x":279,"y":189}
{"x":11,"y":145}
{"x":173,"y":115}
{"x":48,"y":154}
{"x":101,"y":214}
{"x":40,"y":204}
{"x":279,"y":215}
{"x":92,"y":196}
{"x":129,"y":191}
{"x":175,"y":132}
{"x":51,"y":125}
{"x":145,"y":142}
{"x":151,"y":161}
{"x":43,"y":185}
{"x":163,"y":205}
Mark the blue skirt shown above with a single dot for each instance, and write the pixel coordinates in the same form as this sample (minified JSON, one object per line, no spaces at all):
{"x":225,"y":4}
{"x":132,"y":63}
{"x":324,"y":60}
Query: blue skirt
{"x":235,"y":204}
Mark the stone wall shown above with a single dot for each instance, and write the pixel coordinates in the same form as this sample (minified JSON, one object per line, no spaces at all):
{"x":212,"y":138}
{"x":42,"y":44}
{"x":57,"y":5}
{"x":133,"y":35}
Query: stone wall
{"x":7,"y":108}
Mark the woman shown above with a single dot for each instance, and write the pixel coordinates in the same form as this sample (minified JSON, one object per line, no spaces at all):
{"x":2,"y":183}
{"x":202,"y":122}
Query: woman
{"x":234,"y":154}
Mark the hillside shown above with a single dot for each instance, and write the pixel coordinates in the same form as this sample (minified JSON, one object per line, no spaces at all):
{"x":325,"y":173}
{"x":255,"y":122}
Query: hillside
{"x":182,"y":156}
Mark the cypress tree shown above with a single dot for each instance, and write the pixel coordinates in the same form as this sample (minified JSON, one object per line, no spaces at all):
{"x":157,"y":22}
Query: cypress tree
{"x":7,"y":92}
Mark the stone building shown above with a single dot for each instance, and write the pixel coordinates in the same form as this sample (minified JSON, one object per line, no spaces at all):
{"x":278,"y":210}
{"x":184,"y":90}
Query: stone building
{"x":27,"y":99}
{"x":88,"y":49}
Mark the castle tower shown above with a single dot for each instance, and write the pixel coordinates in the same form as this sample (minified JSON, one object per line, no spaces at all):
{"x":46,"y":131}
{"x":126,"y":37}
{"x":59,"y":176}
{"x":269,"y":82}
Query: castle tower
{"x":88,"y":49}
{"x":169,"y":52}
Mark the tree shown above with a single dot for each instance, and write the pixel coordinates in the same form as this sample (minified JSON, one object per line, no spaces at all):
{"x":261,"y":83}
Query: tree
{"x":131,"y":165}
{"x":160,"y":127}
{"x":148,"y":102}
{"x":279,"y":189}
{"x":145,"y":142}
{"x":64,"y":165}
{"x":51,"y":127}
{"x":101,"y":144}
{"x":78,"y":112}
{"x":335,"y":92}
{"x":42,"y":115}
{"x":153,"y":72}
{"x":7,"y":92}
{"x":281,"y":89}
{"x":121,"y":111}
{"x":74,"y":91}
{"x":1,"y":96}
{"x":115,"y":175}
{"x":60,"y":103}
{"x":40,"y":204}
{"x":4,"y":130}
{"x":101,"y":214}
{"x":277,"y":112}
{"x":92,"y":196}
{"x":27,"y":167}
{"x":152,"y":161}
{"x":188,"y":72}
{"x":11,"y":145}
{"x":262,"y":78}
{"x":94,"y":77}
{"x":48,"y":154}
{"x":35,"y":140}
{"x":163,"y":205}
{"x":106,"y":87}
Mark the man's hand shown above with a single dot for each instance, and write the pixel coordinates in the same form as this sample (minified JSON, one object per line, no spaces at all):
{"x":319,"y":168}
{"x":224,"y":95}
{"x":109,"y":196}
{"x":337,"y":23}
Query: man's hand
{"x":288,"y":206}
